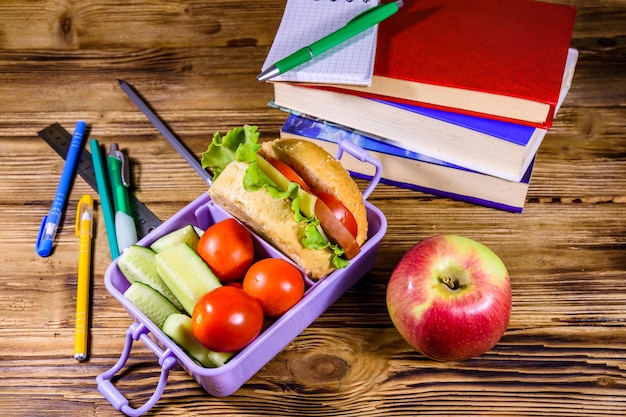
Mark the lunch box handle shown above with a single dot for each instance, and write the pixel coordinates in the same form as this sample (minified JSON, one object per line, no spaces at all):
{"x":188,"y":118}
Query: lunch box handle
{"x":363,"y":156}
{"x":167,"y":360}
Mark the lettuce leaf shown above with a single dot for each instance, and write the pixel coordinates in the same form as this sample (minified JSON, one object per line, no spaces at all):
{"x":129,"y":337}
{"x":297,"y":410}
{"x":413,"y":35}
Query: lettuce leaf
{"x":239,"y":144}
{"x":316,"y":240}
{"x":255,"y":179}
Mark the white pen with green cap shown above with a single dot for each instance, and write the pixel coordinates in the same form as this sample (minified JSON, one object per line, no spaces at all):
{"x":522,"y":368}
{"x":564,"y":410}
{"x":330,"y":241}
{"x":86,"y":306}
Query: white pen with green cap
{"x":119,"y":176}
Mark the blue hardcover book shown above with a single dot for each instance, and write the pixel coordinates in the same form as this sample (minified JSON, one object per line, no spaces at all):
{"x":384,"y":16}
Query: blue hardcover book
{"x":411,"y":170}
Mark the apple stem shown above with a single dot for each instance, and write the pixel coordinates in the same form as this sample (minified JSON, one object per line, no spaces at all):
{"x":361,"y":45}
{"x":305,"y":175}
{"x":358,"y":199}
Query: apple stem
{"x":450,"y":282}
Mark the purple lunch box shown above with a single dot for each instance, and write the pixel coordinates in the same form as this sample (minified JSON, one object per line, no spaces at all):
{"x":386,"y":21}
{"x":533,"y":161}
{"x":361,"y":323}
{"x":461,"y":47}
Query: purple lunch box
{"x":225,"y":380}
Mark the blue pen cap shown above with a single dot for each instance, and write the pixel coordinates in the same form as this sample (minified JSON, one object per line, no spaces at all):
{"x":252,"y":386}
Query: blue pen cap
{"x":47,"y":231}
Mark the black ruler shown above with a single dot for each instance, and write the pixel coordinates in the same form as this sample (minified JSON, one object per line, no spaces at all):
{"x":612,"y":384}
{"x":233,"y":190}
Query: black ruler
{"x":59,"y":139}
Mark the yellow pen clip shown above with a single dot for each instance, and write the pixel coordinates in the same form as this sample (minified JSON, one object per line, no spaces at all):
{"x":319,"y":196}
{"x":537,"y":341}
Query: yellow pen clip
{"x":84,"y":215}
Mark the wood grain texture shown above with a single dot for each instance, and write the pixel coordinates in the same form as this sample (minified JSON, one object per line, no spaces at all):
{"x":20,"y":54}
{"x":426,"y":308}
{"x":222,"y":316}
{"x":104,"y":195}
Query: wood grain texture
{"x":563,"y":354}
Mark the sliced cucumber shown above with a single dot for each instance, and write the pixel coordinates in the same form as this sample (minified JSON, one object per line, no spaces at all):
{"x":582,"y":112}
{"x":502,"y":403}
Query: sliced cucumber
{"x":178,"y":328}
{"x":307,"y":200}
{"x":186,"y":274}
{"x":151,"y":302}
{"x":137,"y":263}
{"x":220,"y":358}
{"x":186,"y":234}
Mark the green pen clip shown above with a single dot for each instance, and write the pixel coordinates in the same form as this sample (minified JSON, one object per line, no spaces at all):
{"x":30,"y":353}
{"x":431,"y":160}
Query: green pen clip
{"x":119,"y":175}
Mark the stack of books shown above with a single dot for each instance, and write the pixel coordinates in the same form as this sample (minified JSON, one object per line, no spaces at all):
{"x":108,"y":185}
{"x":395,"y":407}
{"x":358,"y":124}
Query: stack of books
{"x":461,"y":97}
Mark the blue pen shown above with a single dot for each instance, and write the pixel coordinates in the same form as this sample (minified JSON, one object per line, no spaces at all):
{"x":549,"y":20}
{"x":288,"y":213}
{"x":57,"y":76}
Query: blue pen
{"x":50,"y":223}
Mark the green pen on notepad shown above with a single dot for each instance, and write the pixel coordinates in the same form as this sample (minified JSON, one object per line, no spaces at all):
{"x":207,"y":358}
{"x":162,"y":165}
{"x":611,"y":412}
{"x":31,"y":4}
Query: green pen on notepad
{"x":358,"y":24}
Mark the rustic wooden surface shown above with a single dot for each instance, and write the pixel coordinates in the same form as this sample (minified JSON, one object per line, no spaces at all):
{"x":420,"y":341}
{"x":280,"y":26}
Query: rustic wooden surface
{"x":563,"y":354}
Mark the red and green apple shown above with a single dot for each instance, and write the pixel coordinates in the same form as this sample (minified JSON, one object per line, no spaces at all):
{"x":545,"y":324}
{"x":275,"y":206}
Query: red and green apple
{"x":450,"y":298}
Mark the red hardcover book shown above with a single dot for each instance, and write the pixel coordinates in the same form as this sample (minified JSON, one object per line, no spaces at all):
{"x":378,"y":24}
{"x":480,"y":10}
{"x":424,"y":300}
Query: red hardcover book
{"x":492,"y":58}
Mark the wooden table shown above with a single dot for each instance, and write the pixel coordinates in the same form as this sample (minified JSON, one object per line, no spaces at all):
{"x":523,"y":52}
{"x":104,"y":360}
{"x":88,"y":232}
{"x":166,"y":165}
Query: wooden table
{"x":564,"y":352}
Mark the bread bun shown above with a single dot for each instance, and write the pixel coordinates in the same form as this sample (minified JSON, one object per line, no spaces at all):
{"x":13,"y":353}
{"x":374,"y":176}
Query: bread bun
{"x":270,"y":218}
{"x":322,"y":172}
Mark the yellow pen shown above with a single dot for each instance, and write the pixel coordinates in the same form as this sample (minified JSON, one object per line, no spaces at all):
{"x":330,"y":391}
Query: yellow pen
{"x":84,"y":228}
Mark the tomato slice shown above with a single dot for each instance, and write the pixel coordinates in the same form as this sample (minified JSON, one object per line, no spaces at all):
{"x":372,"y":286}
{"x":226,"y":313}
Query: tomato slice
{"x":340,"y":211}
{"x":335,"y":230}
{"x":289,"y":173}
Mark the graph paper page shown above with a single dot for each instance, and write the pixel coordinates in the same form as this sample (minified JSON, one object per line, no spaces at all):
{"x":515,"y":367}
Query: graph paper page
{"x":306,"y":21}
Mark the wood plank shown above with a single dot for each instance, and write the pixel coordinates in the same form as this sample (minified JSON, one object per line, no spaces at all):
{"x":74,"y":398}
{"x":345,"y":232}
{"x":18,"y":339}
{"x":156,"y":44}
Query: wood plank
{"x":195,"y":62}
{"x":116,"y":24}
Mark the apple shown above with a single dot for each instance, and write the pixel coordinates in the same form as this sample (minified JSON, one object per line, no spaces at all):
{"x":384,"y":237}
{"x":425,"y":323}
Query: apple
{"x":450,"y":298}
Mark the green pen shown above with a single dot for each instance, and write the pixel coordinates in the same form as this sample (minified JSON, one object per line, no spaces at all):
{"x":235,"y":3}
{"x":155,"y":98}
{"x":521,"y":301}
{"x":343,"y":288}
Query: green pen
{"x":358,"y":24}
{"x":105,"y":197}
{"x":119,"y":176}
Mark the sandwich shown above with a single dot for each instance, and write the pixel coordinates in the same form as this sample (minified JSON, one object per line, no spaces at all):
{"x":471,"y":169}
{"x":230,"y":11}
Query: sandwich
{"x":293,"y":194}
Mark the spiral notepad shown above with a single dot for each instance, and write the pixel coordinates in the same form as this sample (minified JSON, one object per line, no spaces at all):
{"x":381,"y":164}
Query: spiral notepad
{"x":306,"y":21}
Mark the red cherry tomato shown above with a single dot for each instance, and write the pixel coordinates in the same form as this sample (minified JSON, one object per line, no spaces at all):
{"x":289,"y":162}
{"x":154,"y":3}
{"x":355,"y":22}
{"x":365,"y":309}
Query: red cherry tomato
{"x":227,"y":248}
{"x":340,"y":211}
{"x":277,"y":284}
{"x":289,"y":173}
{"x":226,"y":319}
